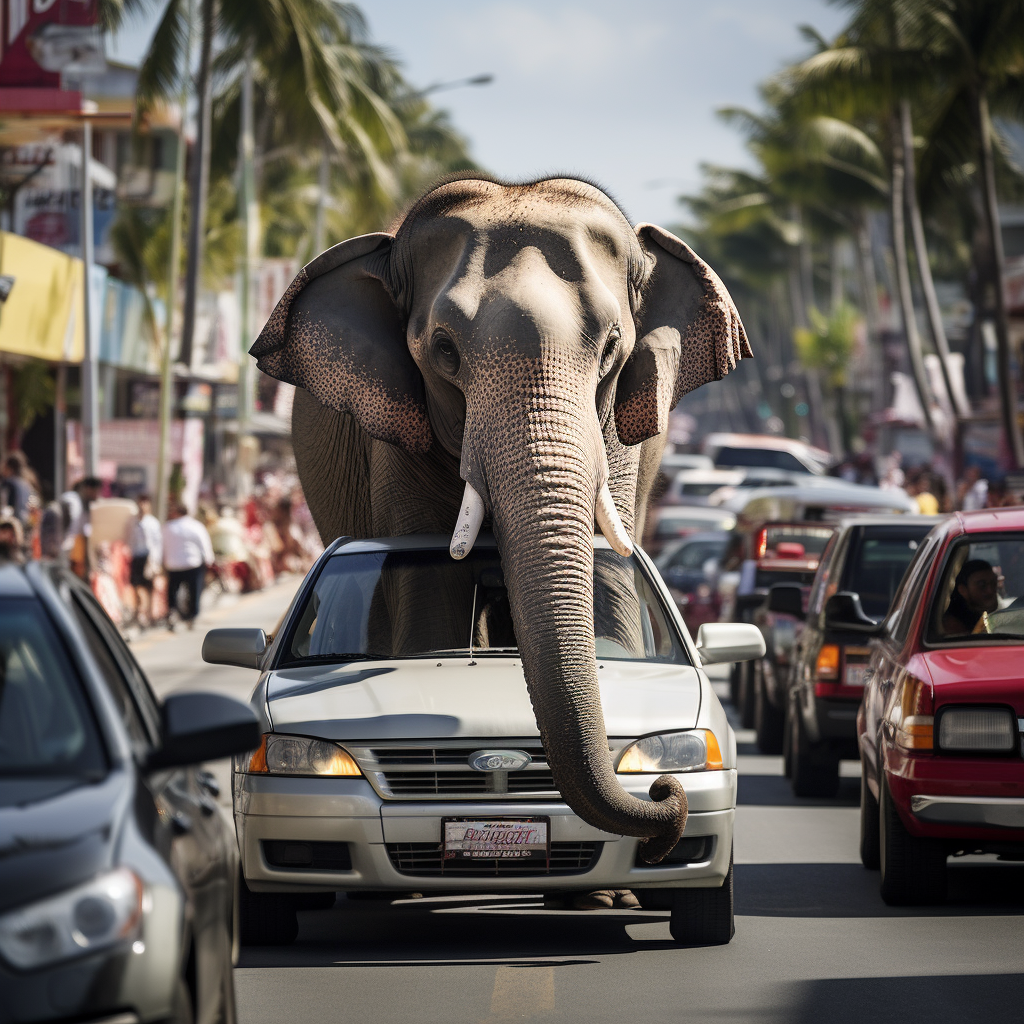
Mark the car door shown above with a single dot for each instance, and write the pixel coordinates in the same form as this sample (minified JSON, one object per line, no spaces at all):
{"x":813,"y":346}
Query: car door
{"x":200,"y":849}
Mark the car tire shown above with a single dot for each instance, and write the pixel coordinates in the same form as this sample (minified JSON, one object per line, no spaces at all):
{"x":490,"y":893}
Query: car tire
{"x":704,"y":917}
{"x":814,"y":767}
{"x":913,"y":869}
{"x":869,"y":824}
{"x":266,"y":918}
{"x":769,"y":721}
{"x":746,"y":703}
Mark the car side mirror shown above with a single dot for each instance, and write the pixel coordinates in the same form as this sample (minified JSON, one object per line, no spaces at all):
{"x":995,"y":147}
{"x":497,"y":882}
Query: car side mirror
{"x":242,"y":647}
{"x":719,"y":642}
{"x":198,"y":727}
{"x":786,"y":599}
{"x":844,"y":611}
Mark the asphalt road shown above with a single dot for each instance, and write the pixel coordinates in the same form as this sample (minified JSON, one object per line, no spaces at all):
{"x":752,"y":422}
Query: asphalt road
{"x":814,"y":942}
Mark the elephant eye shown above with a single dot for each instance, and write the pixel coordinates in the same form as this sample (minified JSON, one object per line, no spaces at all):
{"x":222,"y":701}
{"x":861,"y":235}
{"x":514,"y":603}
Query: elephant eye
{"x":611,"y":346}
{"x":445,"y":356}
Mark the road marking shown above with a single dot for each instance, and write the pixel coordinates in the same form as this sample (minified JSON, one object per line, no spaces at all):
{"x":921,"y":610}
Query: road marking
{"x":521,"y":993}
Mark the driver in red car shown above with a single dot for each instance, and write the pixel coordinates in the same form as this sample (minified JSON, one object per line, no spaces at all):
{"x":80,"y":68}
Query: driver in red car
{"x":975,"y":593}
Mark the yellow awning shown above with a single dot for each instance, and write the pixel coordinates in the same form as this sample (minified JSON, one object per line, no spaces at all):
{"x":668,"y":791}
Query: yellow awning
{"x":42,"y":316}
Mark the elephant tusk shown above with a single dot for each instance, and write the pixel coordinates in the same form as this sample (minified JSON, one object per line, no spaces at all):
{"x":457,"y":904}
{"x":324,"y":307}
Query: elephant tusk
{"x":607,"y":516}
{"x":471,"y":516}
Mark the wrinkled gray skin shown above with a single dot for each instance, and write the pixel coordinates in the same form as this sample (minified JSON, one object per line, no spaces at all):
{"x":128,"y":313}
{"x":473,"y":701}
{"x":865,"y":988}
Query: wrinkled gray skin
{"x":526,"y":339}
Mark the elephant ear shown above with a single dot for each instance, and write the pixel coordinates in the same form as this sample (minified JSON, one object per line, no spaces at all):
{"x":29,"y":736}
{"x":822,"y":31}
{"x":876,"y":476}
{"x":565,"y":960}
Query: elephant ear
{"x":688,"y":332}
{"x":337,"y":333}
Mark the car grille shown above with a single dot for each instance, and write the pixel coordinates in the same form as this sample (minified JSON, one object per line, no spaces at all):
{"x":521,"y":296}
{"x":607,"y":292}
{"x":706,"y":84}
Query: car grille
{"x":440,"y":772}
{"x":426,"y":859}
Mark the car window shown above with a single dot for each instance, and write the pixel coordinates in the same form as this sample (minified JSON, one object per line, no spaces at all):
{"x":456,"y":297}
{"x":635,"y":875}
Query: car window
{"x":980,"y":596}
{"x":878,"y":559}
{"x":909,"y":593}
{"x":46,"y":723}
{"x":139,"y":721}
{"x":407,"y":604}
{"x":695,"y":554}
{"x":821,"y":580}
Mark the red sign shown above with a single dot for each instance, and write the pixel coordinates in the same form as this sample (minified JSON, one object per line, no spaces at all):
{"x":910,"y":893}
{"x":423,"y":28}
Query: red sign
{"x":39,"y":39}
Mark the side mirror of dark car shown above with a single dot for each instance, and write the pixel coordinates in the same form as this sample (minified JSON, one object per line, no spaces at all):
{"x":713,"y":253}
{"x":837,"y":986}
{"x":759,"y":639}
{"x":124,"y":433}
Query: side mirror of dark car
{"x":786,"y":599}
{"x":844,"y":611}
{"x":242,"y":647}
{"x":198,"y":727}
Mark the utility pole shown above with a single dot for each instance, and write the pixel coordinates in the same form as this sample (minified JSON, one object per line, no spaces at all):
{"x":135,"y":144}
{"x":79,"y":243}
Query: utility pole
{"x":250,"y":214}
{"x":166,"y":375}
{"x":90,"y":369}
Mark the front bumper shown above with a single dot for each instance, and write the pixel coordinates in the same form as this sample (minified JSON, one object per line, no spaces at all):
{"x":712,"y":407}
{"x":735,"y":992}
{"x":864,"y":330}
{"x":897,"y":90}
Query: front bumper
{"x":349,"y":811}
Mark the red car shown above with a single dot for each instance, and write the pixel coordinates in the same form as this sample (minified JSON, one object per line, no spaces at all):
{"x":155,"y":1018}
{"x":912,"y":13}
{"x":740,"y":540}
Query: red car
{"x":940,"y":726}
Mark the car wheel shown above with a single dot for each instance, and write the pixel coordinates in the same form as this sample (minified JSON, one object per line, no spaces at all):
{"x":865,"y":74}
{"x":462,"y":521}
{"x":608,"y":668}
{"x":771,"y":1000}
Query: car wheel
{"x":703,"y":917}
{"x":814,"y":768}
{"x":266,"y":918}
{"x":769,"y":721}
{"x":869,"y":855}
{"x":746,"y":704}
{"x":913,"y":869}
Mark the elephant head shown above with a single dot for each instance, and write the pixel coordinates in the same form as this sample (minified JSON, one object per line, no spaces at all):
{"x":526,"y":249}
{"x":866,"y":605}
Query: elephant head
{"x":538,"y":338}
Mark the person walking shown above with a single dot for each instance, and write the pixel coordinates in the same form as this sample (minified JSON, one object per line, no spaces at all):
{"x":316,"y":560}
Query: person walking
{"x":187,"y":552}
{"x":17,"y":489}
{"x":146,"y":542}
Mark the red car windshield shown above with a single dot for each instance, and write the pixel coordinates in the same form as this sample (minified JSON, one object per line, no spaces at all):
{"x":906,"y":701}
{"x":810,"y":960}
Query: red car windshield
{"x":980,"y":598}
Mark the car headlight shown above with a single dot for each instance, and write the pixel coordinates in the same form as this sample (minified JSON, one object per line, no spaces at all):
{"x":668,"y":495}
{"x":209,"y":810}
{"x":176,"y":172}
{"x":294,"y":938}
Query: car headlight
{"x":90,"y":917}
{"x":985,"y":730}
{"x":298,"y":755}
{"x":691,"y":751}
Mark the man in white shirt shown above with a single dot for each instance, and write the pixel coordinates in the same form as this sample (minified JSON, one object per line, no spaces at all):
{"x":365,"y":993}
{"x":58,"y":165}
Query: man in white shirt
{"x":187,"y":553}
{"x":146,"y":544}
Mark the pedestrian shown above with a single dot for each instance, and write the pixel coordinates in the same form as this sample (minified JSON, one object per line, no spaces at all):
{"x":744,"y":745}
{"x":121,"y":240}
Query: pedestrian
{"x":187,"y":552}
{"x":972,"y":493}
{"x":919,"y":488}
{"x":76,"y":504}
{"x":146,"y":543}
{"x":12,"y":540}
{"x":17,"y":491}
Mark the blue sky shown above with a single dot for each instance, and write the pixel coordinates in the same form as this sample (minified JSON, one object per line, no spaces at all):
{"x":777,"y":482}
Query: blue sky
{"x":623,"y":93}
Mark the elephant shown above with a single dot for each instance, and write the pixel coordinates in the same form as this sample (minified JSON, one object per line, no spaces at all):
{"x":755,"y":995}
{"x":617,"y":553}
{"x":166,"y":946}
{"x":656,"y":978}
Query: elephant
{"x":508,"y":353}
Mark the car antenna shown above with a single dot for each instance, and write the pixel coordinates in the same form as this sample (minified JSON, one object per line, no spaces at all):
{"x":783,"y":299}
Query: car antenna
{"x":472,"y":625}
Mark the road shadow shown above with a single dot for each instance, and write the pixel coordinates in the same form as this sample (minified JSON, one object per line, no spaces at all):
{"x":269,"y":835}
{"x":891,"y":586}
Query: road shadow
{"x":848,"y":890}
{"x":495,"y":930}
{"x":775,"y":791}
{"x":938,"y":999}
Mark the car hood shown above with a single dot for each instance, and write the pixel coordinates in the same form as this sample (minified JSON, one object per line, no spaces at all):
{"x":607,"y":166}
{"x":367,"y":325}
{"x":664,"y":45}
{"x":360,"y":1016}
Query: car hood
{"x":991,"y":674}
{"x":53,"y":837}
{"x":427,"y":698}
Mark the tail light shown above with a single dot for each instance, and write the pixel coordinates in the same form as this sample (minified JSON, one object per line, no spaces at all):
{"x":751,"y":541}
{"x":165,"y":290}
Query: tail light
{"x":910,"y":714}
{"x":841,"y":671}
{"x":762,"y":544}
{"x":828,"y":663}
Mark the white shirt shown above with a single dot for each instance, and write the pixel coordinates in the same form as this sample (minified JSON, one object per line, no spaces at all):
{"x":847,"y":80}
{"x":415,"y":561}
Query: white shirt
{"x":146,"y":538}
{"x":186,"y":544}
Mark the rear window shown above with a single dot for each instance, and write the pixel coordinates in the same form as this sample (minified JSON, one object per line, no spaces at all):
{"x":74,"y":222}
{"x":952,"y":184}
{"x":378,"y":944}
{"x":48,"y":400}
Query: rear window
{"x":761,"y":458}
{"x":813,"y":539}
{"x":769,"y":577}
{"x":878,"y":560}
{"x":46,"y":723}
{"x":672,"y":526}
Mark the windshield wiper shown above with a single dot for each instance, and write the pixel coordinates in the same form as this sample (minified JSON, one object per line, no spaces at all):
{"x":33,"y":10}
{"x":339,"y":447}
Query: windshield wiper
{"x":309,"y":659}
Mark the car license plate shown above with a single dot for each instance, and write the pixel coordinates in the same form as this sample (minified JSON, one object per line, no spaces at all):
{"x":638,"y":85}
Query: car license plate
{"x":856,"y":674}
{"x":496,"y":839}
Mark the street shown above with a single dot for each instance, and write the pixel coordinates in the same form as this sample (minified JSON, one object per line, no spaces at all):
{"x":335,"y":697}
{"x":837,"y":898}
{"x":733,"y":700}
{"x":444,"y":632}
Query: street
{"x":814,"y":941}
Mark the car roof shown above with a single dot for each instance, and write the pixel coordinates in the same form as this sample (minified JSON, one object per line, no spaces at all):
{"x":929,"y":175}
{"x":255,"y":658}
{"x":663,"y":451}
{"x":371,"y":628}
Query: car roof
{"x":987,"y":519}
{"x":13,"y":582}
{"x":900,"y":519}
{"x":419,"y":542}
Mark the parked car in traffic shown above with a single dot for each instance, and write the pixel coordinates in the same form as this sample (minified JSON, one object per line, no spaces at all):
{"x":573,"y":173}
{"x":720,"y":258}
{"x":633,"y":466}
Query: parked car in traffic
{"x":690,"y":568}
{"x":729,"y":451}
{"x":117,"y":870}
{"x":940,"y":728}
{"x":695,"y":486}
{"x":671,"y":522}
{"x":388,"y":756}
{"x":808,"y":712}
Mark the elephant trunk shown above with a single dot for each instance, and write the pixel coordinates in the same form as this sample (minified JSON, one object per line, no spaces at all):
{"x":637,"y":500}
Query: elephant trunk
{"x":545,"y":531}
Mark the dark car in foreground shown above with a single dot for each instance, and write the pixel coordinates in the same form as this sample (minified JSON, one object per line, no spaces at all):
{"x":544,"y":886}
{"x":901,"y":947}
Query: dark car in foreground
{"x":809,"y":714}
{"x":117,"y":870}
{"x":941,"y":725}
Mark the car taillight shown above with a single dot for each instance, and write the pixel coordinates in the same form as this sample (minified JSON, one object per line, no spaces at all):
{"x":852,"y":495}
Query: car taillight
{"x":827,"y":666}
{"x":762,"y":545}
{"x":910,"y":713}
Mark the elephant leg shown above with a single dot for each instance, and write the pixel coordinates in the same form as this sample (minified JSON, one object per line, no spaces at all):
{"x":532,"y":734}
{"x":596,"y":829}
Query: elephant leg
{"x":332,"y":459}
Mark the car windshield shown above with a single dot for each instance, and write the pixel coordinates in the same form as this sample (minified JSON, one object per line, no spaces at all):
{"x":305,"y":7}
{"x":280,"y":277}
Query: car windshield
{"x":811,"y":538}
{"x":876,"y":565}
{"x":981,"y":596}
{"x":760,"y":458}
{"x":671,"y":525}
{"x":421,"y":603}
{"x":46,"y":725}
